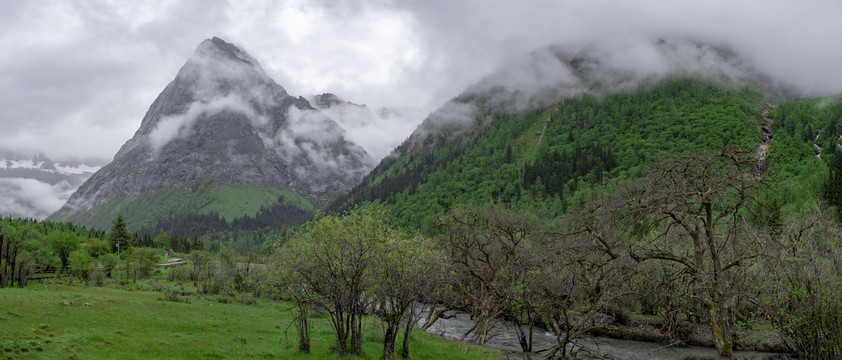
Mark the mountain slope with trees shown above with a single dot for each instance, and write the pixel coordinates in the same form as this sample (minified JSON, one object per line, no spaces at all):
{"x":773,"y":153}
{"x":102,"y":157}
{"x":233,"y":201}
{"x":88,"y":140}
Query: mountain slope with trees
{"x":557,"y":157}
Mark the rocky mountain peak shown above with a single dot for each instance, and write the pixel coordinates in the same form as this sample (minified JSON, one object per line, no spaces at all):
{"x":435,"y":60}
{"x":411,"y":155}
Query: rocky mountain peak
{"x":223,"y":120}
{"x":217,"y":65}
{"x":218,"y":77}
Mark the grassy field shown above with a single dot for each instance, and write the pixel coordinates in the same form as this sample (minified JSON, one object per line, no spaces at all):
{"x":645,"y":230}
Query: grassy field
{"x":56,"y":321}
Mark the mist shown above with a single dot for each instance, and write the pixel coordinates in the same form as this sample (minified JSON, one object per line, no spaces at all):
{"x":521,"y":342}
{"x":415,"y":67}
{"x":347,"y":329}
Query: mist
{"x":378,"y":131}
{"x":32,"y":199}
{"x":313,"y":135}
{"x":79,"y":77}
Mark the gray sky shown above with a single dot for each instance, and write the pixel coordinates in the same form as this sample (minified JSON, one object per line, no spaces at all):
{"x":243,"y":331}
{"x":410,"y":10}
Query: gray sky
{"x":76,"y":77}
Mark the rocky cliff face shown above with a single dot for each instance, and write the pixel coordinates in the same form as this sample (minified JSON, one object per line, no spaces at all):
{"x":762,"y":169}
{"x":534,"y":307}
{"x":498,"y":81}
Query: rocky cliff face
{"x":223,"y":120}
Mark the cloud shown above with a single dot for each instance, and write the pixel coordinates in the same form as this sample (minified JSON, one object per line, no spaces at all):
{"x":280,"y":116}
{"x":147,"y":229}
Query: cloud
{"x":378,"y":131}
{"x":181,"y":125}
{"x":29,"y":198}
{"x":77,"y":76}
{"x":312,"y":143}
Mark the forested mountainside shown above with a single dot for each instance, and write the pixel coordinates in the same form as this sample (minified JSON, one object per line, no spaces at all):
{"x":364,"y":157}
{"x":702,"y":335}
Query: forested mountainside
{"x":548,"y":160}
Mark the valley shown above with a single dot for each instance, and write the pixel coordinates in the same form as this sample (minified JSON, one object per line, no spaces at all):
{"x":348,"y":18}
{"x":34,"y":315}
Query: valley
{"x":602,"y":203}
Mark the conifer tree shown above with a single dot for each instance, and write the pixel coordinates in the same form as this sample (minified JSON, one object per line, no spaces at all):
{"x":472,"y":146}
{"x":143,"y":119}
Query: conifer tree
{"x":119,"y":237}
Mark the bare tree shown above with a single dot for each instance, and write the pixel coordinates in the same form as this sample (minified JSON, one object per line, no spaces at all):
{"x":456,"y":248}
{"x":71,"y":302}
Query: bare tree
{"x":691,"y":212}
{"x":493,"y":254}
{"x":585,"y":273}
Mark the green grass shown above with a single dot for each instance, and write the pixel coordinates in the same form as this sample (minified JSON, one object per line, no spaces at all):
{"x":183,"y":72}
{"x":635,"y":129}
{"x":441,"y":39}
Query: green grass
{"x":229,"y":201}
{"x":48,"y":321}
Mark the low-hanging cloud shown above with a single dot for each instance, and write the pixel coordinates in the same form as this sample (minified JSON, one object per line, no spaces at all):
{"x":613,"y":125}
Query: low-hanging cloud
{"x":555,"y":72}
{"x":32,"y":199}
{"x":181,"y":125}
{"x":83,"y":73}
{"x":378,"y":131}
{"x":219,"y":80}
{"x":312,"y":143}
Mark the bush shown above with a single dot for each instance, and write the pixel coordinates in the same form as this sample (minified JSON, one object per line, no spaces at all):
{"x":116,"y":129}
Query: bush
{"x":246,"y":299}
{"x":172,"y":295}
{"x":97,"y":277}
{"x":96,"y":247}
{"x":108,"y":262}
{"x":179,"y":274}
{"x":141,"y":262}
{"x":80,"y":264}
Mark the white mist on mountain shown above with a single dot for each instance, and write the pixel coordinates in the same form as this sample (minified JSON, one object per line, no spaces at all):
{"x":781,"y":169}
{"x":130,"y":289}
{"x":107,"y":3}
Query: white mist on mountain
{"x":218,"y":68}
{"x":379,"y":131}
{"x":555,"y":72}
{"x":312,"y":134}
{"x":30,"y":198}
{"x":33,"y":186}
{"x":220,"y":77}
{"x":452,"y":118}
{"x":181,"y":125}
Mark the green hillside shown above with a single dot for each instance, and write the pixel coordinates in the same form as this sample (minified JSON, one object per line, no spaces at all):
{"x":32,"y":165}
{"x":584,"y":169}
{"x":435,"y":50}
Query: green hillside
{"x":796,"y":168}
{"x":551,"y":159}
{"x":209,"y":205}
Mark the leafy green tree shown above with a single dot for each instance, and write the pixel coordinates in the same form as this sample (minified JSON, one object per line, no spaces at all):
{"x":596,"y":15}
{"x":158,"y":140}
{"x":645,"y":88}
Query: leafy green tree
{"x":108,"y":262}
{"x":63,"y":243}
{"x":16,"y":264}
{"x":162,"y":240}
{"x":332,"y":266}
{"x":409,"y":269}
{"x":141,"y":262}
{"x":81,"y":264}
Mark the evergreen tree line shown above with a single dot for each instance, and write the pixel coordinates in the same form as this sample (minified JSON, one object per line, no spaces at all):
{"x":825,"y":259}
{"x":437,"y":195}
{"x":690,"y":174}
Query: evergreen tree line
{"x":188,"y":228}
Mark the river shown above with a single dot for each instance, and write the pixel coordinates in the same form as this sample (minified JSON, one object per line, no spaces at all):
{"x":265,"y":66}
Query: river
{"x":505,"y":339}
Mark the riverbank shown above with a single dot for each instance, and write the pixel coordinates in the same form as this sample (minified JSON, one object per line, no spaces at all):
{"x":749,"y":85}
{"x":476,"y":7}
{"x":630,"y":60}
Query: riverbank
{"x":684,"y":334}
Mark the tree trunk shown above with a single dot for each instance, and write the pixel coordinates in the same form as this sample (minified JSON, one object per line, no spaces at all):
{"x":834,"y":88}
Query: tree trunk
{"x":389,"y":340}
{"x":13,"y":262}
{"x":357,"y":335}
{"x":341,"y":334}
{"x":407,"y":334}
{"x":524,"y":336}
{"x":720,"y":327}
{"x":303,"y":329}
{"x":3,"y":261}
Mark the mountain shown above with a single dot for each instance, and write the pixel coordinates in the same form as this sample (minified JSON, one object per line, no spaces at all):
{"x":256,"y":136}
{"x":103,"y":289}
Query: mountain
{"x":556,"y":129}
{"x":222,"y":138}
{"x":33,"y":186}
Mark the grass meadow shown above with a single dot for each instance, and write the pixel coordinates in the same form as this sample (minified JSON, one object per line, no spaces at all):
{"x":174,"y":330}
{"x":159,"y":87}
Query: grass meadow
{"x":156,"y":320}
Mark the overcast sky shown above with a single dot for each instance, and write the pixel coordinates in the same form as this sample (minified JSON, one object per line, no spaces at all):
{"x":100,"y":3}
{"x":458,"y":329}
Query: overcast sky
{"x":76,"y":77}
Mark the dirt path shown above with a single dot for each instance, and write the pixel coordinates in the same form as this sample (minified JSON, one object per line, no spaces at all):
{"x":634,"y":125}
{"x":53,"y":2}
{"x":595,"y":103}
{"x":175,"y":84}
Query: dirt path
{"x":541,"y":138}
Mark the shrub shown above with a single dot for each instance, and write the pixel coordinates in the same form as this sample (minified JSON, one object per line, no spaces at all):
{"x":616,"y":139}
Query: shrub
{"x":81,"y":264}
